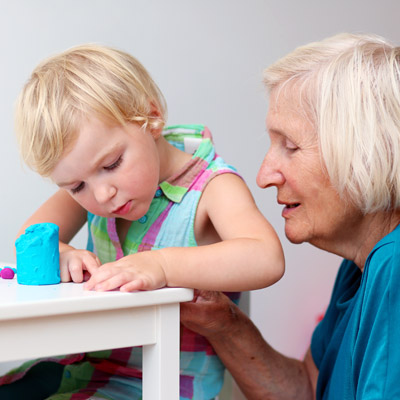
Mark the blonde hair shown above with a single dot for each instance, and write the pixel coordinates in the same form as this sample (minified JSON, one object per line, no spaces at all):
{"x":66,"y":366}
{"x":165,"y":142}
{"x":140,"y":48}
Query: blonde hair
{"x":88,"y":80}
{"x":350,"y":84}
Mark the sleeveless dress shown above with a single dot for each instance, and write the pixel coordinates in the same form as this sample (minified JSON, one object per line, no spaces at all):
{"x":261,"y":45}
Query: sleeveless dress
{"x":116,"y":374}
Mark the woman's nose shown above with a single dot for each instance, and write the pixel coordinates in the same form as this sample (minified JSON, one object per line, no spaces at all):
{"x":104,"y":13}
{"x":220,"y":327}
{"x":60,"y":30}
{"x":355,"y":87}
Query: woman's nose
{"x":269,"y":173}
{"x":104,"y":192}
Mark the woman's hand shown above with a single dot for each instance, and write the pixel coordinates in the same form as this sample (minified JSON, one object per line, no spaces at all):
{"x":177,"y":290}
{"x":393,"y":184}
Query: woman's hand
{"x":260,"y":371}
{"x":209,"y":313}
{"x":140,"y":271}
{"x":77,"y":265}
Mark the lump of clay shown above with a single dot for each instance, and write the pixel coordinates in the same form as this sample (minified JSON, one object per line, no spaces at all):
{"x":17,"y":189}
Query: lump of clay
{"x":38,"y":255}
{"x":7,"y":273}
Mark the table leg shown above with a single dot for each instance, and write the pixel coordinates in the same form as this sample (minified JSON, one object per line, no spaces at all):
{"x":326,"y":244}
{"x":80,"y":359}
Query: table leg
{"x":161,"y":360}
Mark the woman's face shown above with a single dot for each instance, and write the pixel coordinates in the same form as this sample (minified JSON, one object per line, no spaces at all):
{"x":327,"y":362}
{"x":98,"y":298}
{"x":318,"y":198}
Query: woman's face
{"x":313,"y":210}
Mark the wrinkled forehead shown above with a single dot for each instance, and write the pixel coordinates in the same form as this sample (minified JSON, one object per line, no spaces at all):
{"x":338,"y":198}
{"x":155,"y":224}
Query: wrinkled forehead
{"x":289,"y":112}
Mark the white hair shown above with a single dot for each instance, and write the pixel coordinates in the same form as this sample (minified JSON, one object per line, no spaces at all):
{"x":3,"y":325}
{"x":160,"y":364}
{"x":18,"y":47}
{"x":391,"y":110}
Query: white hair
{"x":350,"y":84}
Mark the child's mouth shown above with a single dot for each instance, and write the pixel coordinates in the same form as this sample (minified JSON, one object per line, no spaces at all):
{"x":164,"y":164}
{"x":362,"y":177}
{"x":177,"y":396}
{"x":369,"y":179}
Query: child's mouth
{"x":124,"y":209}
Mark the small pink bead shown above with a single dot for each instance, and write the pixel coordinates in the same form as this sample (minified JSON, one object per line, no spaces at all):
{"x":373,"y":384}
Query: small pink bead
{"x":7,"y":273}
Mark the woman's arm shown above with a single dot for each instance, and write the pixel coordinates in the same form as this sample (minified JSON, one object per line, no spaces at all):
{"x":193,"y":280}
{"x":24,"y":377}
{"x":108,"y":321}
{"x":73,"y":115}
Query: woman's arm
{"x":261,"y":372}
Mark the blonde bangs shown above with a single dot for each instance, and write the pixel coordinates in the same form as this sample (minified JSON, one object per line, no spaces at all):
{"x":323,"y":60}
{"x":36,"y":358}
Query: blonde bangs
{"x":88,"y":80}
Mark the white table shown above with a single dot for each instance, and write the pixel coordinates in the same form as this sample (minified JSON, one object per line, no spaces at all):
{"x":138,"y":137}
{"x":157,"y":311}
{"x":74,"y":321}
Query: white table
{"x":40,"y":321}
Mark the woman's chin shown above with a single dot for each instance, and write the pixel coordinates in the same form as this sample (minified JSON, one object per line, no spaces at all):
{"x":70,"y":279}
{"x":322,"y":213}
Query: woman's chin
{"x":294,"y":236}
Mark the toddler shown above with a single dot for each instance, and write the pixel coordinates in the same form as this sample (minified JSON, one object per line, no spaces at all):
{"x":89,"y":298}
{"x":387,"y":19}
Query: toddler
{"x":92,"y":120}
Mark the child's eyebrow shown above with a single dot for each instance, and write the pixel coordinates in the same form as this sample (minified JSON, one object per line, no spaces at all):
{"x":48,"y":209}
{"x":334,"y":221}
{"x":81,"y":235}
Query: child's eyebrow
{"x":109,"y":151}
{"x":63,"y":184}
{"x":98,"y":161}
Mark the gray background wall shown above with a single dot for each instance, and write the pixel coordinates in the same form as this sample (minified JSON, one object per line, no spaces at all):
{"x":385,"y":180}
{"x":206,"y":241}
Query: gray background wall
{"x":207,"y":57}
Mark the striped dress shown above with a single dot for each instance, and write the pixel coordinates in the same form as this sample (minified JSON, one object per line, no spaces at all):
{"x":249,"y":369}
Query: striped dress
{"x":116,"y":374}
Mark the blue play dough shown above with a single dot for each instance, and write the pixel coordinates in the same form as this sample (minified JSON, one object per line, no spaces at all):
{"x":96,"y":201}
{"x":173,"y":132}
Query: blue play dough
{"x":38,"y":255}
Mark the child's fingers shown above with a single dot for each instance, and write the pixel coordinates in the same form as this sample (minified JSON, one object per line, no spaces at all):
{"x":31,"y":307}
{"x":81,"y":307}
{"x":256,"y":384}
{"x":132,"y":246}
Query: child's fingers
{"x":91,"y":264}
{"x":90,"y":283}
{"x":86,"y":276}
{"x":75,"y":263}
{"x":64,"y":273}
{"x":98,"y":276}
{"x":85,"y":261}
{"x":127,"y":277}
{"x":137,"y":284}
{"x":75,"y":270}
{"x":110,"y":278}
{"x":111,"y":283}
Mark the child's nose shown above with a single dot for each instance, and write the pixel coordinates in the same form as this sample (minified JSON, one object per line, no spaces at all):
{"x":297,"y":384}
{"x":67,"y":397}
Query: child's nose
{"x":104,"y":192}
{"x":269,"y":174}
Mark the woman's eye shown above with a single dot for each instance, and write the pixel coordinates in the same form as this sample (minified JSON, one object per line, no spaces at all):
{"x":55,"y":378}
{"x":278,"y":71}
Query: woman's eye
{"x":290,"y":145}
{"x":78,"y":188}
{"x":114,"y":165}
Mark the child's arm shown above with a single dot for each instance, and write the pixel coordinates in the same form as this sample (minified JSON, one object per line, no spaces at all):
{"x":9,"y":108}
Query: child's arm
{"x":64,"y":211}
{"x":249,"y":255}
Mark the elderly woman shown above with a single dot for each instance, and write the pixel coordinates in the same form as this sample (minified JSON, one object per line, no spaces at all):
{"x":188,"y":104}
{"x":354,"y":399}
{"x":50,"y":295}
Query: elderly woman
{"x":334,"y":126}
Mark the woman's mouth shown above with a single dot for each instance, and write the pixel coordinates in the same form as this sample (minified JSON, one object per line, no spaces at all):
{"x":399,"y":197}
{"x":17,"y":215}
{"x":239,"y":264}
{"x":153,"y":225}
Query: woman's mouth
{"x":288,"y":209}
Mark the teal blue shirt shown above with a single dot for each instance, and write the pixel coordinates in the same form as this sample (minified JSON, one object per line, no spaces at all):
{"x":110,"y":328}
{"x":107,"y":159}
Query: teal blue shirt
{"x":356,"y":347}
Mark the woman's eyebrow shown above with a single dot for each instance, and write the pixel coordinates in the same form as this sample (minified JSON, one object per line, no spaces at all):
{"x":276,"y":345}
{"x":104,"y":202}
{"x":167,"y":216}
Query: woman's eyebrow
{"x":277,"y":132}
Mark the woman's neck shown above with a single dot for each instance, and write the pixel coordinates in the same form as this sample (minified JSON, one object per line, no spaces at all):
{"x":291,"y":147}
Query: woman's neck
{"x":373,"y":228}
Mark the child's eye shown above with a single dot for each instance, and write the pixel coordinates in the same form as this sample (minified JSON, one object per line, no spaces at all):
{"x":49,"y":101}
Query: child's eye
{"x":78,"y":188}
{"x":114,"y":165}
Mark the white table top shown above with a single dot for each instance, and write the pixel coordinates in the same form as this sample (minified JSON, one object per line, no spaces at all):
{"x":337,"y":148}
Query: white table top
{"x":39,"y":314}
{"x":21,"y":301}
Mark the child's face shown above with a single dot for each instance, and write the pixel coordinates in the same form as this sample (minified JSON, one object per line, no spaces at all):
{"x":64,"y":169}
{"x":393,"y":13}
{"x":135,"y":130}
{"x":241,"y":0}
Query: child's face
{"x":111,"y":171}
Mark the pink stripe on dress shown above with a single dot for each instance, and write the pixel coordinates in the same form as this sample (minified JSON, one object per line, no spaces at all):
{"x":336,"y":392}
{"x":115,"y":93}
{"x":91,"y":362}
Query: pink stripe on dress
{"x":206,"y":133}
{"x":112,"y":233}
{"x":150,"y":238}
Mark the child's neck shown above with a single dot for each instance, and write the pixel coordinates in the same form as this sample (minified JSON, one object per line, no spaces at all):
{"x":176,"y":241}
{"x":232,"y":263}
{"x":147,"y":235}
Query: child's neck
{"x":171,"y":158}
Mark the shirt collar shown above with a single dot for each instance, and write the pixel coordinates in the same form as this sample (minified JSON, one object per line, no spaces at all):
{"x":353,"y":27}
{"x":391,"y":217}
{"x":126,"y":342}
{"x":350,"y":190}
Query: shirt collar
{"x":177,"y":185}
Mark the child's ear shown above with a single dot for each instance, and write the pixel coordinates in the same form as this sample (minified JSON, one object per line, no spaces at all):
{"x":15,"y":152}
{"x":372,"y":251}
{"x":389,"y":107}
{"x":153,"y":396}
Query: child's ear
{"x":155,"y":114}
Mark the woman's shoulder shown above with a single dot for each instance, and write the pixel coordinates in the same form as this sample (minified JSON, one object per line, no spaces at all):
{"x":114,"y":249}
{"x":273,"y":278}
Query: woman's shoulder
{"x":385,"y":256}
{"x":381,"y":276}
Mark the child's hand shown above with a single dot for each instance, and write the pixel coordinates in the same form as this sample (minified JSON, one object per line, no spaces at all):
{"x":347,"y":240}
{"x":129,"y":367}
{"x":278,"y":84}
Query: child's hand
{"x":77,"y":265}
{"x":140,"y":271}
